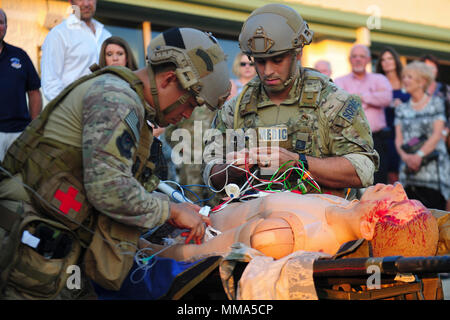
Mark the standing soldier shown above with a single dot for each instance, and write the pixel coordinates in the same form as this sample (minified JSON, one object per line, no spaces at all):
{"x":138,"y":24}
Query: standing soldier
{"x":319,"y":124}
{"x":190,"y":172}
{"x":85,"y":192}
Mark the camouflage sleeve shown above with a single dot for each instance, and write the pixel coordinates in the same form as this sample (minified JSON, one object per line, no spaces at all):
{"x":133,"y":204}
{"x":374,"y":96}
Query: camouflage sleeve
{"x":350,"y":135}
{"x":109,"y":141}
{"x":214,"y":152}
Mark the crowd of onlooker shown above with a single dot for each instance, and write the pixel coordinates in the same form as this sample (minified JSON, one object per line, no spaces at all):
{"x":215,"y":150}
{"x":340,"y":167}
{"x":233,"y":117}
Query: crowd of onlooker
{"x":407,"y":109}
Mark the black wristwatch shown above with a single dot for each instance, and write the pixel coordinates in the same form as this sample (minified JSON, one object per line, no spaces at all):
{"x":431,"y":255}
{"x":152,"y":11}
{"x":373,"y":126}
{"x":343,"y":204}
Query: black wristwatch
{"x":302,"y":158}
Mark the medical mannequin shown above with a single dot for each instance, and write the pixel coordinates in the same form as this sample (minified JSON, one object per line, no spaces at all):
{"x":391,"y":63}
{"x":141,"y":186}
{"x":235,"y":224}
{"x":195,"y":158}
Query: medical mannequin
{"x":281,"y":223}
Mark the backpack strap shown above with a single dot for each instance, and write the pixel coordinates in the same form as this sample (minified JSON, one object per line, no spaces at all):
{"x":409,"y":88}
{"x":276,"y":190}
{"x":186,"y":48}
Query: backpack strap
{"x":30,"y":137}
{"x":246,"y":105}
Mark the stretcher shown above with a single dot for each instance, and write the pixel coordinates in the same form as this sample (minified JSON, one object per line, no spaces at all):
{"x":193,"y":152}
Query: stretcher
{"x":411,"y":278}
{"x":351,"y":274}
{"x":401,"y":278}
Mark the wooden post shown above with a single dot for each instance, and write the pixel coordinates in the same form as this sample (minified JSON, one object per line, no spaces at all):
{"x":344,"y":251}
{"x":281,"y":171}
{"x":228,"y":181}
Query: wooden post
{"x":363,"y":36}
{"x":146,"y":34}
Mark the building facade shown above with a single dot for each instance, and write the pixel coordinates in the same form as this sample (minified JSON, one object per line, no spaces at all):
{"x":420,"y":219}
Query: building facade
{"x":412,"y":27}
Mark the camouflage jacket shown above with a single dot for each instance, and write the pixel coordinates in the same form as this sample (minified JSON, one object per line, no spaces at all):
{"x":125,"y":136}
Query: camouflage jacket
{"x":107,"y":155}
{"x":98,"y":124}
{"x":319,"y":120}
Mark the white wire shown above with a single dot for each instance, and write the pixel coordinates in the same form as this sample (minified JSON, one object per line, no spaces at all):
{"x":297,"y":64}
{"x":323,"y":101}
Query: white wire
{"x":253,"y":177}
{"x":226,"y":176}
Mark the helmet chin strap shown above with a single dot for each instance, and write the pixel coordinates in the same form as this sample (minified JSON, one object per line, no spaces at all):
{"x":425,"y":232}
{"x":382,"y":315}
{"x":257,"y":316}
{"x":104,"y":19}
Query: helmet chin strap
{"x":293,"y":73}
{"x":160,"y":114}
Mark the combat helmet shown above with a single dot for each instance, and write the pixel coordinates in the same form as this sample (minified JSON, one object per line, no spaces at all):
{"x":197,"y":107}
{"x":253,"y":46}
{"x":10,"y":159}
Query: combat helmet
{"x":272,"y":30}
{"x":200,"y":62}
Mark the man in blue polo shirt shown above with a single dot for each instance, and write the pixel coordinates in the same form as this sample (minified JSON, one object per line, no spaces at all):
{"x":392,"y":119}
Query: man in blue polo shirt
{"x":18,"y":77}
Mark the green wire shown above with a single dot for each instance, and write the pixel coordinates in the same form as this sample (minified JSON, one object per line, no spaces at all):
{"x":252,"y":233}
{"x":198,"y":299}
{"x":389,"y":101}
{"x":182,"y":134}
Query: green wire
{"x":286,"y":183}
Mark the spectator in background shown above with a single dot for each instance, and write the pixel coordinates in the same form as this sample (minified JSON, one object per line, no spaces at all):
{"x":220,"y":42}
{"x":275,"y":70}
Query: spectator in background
{"x":441,"y":90}
{"x":115,"y":51}
{"x":423,"y":115}
{"x":244,"y":69}
{"x":18,"y":78}
{"x":375,"y":92}
{"x":71,"y":48}
{"x":436,"y":88}
{"x":324,"y":67}
{"x":389,"y":65}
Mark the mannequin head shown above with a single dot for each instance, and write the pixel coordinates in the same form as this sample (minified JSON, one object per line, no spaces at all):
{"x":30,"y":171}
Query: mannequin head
{"x":397,"y":225}
{"x":385,"y":216}
{"x":408,"y":229}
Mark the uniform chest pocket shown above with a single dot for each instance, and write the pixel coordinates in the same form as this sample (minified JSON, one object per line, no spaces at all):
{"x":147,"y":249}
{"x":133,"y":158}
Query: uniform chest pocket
{"x":302,"y":140}
{"x":304,"y":134}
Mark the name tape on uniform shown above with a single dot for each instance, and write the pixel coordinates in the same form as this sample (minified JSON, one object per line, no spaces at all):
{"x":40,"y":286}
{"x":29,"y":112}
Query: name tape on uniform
{"x":273,"y":134}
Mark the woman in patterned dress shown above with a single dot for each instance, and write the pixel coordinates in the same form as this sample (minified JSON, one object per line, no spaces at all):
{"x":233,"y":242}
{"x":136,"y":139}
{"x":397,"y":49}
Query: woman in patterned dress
{"x":423,"y":116}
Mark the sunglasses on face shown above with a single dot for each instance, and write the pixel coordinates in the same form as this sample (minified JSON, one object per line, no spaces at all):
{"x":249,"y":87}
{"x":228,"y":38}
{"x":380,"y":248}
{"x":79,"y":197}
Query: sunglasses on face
{"x":243,"y":64}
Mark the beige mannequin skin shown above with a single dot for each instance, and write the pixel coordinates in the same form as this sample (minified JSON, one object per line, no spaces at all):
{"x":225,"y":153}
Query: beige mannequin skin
{"x":282,"y":223}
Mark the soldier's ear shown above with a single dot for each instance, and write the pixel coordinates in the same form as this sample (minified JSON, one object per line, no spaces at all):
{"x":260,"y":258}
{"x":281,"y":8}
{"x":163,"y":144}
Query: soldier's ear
{"x":168,"y":78}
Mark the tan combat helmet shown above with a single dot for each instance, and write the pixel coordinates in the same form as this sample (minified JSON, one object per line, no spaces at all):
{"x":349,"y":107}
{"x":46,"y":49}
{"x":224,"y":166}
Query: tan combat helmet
{"x":200,"y":63}
{"x":272,"y":30}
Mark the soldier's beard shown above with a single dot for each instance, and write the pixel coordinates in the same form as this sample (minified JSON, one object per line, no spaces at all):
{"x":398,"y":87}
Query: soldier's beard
{"x":293,"y":74}
{"x":275,"y":89}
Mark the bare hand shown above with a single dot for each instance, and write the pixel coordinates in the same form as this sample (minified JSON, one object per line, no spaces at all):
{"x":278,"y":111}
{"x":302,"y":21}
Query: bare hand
{"x":273,"y":157}
{"x":185,"y":216}
{"x":397,"y":102}
{"x":413,"y":161}
{"x":157,"y":131}
{"x":240,"y":158}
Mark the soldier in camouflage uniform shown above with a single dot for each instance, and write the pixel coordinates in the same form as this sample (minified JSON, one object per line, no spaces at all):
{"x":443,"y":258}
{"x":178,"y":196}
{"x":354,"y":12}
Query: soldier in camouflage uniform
{"x":85,"y":192}
{"x":297,"y":111}
{"x":190,"y":172}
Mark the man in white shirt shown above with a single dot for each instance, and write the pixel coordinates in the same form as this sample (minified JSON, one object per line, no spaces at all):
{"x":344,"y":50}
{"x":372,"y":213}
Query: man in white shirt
{"x":71,"y":48}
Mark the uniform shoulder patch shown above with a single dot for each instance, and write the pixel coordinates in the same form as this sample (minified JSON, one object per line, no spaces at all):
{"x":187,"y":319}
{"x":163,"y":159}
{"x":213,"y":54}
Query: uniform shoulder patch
{"x":133,"y":123}
{"x":124,"y":144}
{"x":350,"y":109}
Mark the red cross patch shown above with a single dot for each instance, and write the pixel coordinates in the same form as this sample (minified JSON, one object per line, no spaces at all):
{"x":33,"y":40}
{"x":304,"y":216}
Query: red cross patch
{"x":68,"y":200}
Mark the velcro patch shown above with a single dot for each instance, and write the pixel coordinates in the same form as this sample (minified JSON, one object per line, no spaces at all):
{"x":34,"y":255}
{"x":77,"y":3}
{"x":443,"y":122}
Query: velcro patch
{"x":310,"y":93}
{"x":204,"y":60}
{"x":300,"y":145}
{"x":312,"y":85}
{"x":350,"y":109}
{"x":273,"y":134}
{"x":133,"y":123}
{"x":124,"y":144}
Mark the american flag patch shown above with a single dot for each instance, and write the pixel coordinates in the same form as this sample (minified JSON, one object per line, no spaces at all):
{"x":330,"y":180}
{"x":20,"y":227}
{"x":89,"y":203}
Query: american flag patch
{"x":133,"y":122}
